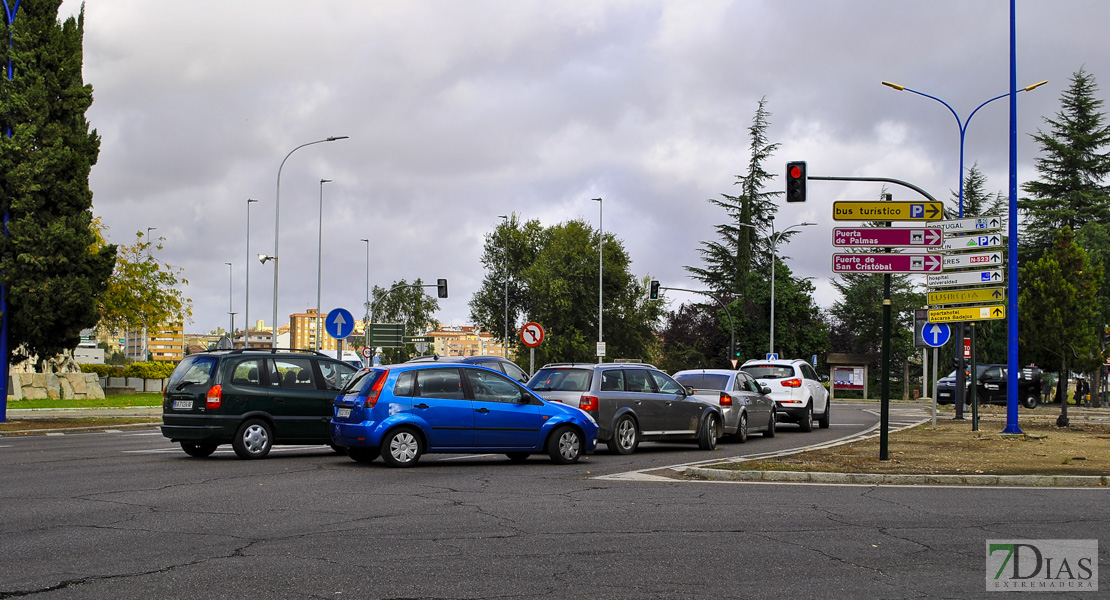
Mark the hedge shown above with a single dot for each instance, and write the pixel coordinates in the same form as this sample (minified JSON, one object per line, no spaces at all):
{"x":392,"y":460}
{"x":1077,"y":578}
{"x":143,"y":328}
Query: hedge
{"x":142,"y":370}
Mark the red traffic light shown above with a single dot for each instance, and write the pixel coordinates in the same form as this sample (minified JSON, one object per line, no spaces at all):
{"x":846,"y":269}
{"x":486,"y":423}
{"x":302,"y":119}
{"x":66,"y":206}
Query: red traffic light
{"x":795,"y":171}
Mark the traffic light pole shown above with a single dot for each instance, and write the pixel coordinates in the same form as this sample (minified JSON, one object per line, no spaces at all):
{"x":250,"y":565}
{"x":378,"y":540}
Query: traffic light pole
{"x":731,"y":328}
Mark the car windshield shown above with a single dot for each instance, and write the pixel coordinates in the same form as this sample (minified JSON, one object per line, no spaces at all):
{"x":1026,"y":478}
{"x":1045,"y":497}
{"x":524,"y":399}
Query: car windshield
{"x":561,"y":380}
{"x":704,"y":381}
{"x":769,"y":371}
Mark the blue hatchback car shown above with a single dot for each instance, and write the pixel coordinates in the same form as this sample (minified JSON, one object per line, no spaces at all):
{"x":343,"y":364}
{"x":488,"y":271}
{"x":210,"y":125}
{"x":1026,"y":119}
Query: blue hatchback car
{"x":400,"y":412}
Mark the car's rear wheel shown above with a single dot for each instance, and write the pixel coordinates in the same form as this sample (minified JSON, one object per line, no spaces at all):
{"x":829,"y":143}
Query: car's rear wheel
{"x":565,"y":446}
{"x":806,"y":422}
{"x":254,"y":439}
{"x":742,"y":429}
{"x":1030,"y":401}
{"x":401,"y":448}
{"x":826,"y":418}
{"x":517,"y":457}
{"x":625,"y":436}
{"x":198,"y":449}
{"x":338,"y":449}
{"x":770,"y":433}
{"x":363,"y":455}
{"x":707,"y":438}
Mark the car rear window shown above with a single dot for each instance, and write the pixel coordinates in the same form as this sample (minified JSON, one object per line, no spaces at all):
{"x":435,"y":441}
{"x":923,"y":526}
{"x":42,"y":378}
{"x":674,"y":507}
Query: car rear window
{"x":363,"y":381}
{"x":703,"y":381}
{"x":769,"y":371}
{"x":561,"y":380}
{"x":193,"y":370}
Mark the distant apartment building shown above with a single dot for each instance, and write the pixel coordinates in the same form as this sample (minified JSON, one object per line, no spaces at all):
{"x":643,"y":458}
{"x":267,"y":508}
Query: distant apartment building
{"x":465,"y":340}
{"x":302,"y":331}
{"x":163,"y":343}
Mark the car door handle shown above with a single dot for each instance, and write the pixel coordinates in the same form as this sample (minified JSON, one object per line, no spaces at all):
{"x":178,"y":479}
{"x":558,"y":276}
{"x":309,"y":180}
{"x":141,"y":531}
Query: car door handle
{"x":421,"y":405}
{"x":482,"y":410}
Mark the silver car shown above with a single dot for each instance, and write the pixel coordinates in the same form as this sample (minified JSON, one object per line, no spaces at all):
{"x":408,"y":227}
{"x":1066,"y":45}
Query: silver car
{"x":631,"y":402}
{"x":745,"y":406}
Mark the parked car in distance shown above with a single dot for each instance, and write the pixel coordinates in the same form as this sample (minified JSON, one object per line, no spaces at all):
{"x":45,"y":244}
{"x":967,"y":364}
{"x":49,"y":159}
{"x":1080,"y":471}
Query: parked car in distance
{"x":497,"y":363}
{"x":745,"y":406}
{"x":631,"y":402}
{"x":401,"y":412}
{"x":251,"y":399}
{"x":991,"y":386}
{"x":796,"y":388}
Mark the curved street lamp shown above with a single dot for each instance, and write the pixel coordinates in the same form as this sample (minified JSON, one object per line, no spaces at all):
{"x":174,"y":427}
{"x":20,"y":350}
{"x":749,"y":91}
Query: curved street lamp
{"x":277,"y":229}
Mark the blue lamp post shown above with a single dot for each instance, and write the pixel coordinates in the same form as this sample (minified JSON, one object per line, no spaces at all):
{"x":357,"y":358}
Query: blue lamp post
{"x":9,"y":14}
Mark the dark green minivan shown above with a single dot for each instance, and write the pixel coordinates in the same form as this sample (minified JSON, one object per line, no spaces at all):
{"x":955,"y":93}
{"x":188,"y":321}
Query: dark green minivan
{"x":251,"y":399}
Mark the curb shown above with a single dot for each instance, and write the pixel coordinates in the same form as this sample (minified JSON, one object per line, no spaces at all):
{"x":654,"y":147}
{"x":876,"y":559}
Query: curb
{"x":897,"y":479}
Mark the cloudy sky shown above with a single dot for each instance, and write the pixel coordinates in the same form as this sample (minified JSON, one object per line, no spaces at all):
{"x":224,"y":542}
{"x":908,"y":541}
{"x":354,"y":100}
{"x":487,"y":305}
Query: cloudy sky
{"x":458,"y":112}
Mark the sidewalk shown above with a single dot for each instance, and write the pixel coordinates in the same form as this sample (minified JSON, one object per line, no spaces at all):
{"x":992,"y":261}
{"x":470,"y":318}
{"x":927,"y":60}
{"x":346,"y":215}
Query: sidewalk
{"x":24,"y":414}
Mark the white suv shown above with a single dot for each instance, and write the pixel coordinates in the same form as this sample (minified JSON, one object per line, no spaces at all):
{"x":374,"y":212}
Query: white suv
{"x":796,"y":389}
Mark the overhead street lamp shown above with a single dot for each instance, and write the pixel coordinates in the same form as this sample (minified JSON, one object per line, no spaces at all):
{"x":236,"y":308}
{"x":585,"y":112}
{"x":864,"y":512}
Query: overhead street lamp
{"x":277,"y":229}
{"x":366,"y":319}
{"x":961,"y":124}
{"x":505,"y":342}
{"x":600,"y":267}
{"x":247,"y":287}
{"x":319,"y":261}
{"x":1011,"y":425}
{"x":774,"y":240}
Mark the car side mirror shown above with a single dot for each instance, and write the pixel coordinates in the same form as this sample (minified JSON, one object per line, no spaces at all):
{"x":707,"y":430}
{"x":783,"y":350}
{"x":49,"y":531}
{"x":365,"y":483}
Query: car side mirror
{"x":765,"y":389}
{"x":824,"y":379}
{"x":690,"y":391}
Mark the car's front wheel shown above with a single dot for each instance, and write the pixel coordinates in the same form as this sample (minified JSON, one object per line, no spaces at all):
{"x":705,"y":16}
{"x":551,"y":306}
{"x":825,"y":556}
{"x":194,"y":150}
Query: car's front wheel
{"x":254,"y":439}
{"x":707,"y":438}
{"x":401,"y":448}
{"x":565,"y":446}
{"x":770,"y":432}
{"x":1030,"y":401}
{"x":198,"y":449}
{"x":625,"y":436}
{"x":363,"y":455}
{"x":517,"y":457}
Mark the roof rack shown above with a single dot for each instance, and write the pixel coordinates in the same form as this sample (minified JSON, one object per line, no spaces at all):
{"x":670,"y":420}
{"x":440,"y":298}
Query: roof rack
{"x":275,"y":351}
{"x":589,"y":364}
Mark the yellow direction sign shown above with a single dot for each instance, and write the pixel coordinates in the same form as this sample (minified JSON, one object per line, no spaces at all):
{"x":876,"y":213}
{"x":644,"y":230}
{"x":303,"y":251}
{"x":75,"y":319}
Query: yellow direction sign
{"x":973,"y":296}
{"x":879,"y":210}
{"x":975,"y":313}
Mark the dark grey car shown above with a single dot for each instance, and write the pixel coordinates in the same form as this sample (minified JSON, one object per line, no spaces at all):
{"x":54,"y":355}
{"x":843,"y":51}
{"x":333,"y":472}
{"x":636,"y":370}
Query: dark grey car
{"x":631,"y":402}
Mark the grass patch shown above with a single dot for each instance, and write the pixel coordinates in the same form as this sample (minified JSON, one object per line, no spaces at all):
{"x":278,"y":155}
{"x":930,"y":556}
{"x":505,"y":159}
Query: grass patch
{"x":26,"y":426}
{"x":113,"y":401}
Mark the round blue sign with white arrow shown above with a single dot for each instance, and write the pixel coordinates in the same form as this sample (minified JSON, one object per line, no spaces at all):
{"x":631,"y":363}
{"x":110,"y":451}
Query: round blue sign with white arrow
{"x":936,"y":334}
{"x":339,"y":323}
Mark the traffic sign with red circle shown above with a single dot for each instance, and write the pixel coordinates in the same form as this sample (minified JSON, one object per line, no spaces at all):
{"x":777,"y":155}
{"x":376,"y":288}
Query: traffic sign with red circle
{"x":531,"y":334}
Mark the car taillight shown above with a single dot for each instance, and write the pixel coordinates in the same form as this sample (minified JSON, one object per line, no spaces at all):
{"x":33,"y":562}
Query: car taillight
{"x":372,"y":396}
{"x":726,"y":400}
{"x":792,"y":382}
{"x":588,"y":403}
{"x":214,"y":398}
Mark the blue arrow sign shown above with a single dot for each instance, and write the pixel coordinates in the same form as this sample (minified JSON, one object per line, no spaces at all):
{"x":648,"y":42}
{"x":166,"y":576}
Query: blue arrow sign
{"x":339,"y":323}
{"x":936,"y":334}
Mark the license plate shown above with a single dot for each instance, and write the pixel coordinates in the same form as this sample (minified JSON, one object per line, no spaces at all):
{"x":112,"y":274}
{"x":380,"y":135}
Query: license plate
{"x":183,"y":404}
{"x":343,"y":413}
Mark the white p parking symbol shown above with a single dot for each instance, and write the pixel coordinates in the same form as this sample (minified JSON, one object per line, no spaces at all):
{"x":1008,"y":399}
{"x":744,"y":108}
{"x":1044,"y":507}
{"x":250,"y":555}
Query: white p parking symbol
{"x":917,"y":211}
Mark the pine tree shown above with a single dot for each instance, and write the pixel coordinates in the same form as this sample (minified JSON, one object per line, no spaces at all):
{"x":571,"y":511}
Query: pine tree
{"x":1073,"y":166}
{"x":729,"y":260}
{"x":49,"y":261}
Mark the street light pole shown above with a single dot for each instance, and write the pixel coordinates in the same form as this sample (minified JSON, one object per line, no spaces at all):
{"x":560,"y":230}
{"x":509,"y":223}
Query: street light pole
{"x":600,"y":267}
{"x":247,"y":288}
{"x":319,"y":262}
{"x":962,"y":125}
{"x":366,"y":319}
{"x":277,"y":229}
{"x":505,"y":340}
{"x":230,"y":306}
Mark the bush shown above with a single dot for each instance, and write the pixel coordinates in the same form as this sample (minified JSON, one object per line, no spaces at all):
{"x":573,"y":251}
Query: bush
{"x":149,"y":370}
{"x":102,"y":370}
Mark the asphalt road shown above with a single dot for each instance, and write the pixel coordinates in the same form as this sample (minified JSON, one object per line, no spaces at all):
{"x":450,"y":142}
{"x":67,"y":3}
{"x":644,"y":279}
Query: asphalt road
{"x":126,"y":514}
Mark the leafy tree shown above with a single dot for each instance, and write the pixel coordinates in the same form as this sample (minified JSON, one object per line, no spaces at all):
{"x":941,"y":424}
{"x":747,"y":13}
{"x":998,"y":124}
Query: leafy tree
{"x":1057,"y":311}
{"x":406,"y":303}
{"x":1072,"y":167}
{"x":750,"y":216}
{"x":52,"y":269}
{"x":142,"y":291}
{"x":555,"y":270}
{"x":692,"y":338}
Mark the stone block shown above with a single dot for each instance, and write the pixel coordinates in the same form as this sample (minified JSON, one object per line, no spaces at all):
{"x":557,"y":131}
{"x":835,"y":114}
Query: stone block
{"x":65,"y":388}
